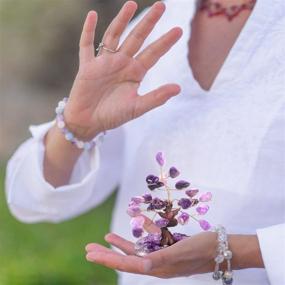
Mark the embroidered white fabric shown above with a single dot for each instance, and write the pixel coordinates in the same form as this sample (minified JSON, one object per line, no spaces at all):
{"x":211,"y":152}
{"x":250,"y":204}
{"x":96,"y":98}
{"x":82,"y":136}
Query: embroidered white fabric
{"x":229,"y":140}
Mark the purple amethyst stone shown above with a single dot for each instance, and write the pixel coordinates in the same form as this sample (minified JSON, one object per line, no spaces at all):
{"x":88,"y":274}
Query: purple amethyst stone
{"x":162,"y":223}
{"x":191,"y":192}
{"x":147,"y":198}
{"x":181,"y":184}
{"x":137,"y":232}
{"x":159,"y":158}
{"x":184,"y":203}
{"x":151,"y":179}
{"x":178,"y":237}
{"x":173,"y":172}
{"x":157,"y":204}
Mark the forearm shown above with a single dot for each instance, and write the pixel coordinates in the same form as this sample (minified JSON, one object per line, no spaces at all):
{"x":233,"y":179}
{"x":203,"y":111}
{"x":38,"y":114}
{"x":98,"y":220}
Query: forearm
{"x":246,"y":251}
{"x":59,"y":159}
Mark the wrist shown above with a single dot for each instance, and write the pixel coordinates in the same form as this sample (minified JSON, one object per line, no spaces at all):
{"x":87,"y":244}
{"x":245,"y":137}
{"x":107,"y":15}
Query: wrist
{"x":81,"y":131}
{"x":246,"y":251}
{"x":59,"y":158}
{"x":55,"y":139}
{"x":69,"y":134}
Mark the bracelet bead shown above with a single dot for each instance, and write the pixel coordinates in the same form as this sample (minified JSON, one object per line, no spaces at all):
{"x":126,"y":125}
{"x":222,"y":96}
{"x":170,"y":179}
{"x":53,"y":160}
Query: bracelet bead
{"x":223,"y":254}
{"x":220,"y":258}
{"x":69,"y":136}
{"x":227,"y":278}
{"x":217,"y":275}
{"x":228,"y":254}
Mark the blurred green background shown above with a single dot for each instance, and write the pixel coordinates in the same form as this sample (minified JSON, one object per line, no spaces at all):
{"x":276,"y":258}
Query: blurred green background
{"x":38,"y":61}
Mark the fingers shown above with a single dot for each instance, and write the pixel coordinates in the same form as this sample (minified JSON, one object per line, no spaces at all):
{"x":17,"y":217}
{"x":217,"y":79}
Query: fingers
{"x":155,"y":98}
{"x":113,"y":33}
{"x":126,"y":246}
{"x":86,"y":44}
{"x":138,"y":35}
{"x":93,"y":246}
{"x":149,"y":56}
{"x":114,"y":260}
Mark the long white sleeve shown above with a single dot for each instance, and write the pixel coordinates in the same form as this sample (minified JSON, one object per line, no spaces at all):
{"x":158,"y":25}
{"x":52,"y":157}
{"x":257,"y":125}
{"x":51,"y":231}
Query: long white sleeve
{"x":32,"y":199}
{"x":272,"y":245}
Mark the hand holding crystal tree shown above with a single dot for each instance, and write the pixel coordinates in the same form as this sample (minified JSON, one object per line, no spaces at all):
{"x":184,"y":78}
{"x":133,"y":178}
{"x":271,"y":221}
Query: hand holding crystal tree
{"x":171,"y":211}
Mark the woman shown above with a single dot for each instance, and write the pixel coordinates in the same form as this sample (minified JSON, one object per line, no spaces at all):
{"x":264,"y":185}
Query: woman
{"x":225,"y":130}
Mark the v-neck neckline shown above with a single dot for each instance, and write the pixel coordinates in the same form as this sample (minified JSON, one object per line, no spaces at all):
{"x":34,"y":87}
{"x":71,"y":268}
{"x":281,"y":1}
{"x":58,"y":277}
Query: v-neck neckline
{"x":241,"y":52}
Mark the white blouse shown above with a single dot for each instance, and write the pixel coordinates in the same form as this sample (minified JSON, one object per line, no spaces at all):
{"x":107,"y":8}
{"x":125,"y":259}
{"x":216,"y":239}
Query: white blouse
{"x":229,"y":140}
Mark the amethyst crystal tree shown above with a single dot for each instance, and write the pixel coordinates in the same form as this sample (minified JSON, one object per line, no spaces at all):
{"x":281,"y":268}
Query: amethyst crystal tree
{"x":171,"y":211}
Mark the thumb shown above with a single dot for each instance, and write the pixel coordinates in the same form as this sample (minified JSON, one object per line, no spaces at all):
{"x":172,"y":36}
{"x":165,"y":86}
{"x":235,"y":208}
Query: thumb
{"x":150,"y":226}
{"x":155,"y":98}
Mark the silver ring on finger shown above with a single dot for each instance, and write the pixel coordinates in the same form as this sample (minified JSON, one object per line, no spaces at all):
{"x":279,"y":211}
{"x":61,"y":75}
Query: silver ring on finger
{"x":102,"y":46}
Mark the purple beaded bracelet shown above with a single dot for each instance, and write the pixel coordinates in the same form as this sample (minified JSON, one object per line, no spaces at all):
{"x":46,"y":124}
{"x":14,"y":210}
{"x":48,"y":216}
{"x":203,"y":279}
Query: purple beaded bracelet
{"x":69,"y":136}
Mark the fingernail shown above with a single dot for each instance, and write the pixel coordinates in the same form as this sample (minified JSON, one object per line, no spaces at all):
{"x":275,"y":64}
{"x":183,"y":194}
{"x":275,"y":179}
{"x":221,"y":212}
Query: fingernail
{"x":108,"y":236}
{"x":90,"y":257}
{"x":89,"y":247}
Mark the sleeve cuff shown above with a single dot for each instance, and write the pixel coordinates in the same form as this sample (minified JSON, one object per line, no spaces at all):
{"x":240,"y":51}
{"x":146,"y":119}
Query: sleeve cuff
{"x":86,"y":163}
{"x":272,"y":246}
{"x":27,"y":188}
{"x":39,"y":131}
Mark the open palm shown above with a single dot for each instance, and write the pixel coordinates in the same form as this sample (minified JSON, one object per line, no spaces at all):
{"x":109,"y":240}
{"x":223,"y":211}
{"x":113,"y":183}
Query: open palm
{"x":105,"y":91}
{"x":193,"y":255}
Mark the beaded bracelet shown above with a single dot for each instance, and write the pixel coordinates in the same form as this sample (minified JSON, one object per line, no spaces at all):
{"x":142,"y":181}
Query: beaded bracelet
{"x":223,"y":254}
{"x":69,"y":136}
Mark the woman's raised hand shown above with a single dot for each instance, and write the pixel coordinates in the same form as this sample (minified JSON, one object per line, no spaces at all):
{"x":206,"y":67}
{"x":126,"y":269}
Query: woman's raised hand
{"x":104,"y":94}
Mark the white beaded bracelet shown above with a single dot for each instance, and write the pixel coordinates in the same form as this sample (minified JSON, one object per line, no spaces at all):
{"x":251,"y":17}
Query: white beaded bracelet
{"x":223,"y":254}
{"x":69,"y":136}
